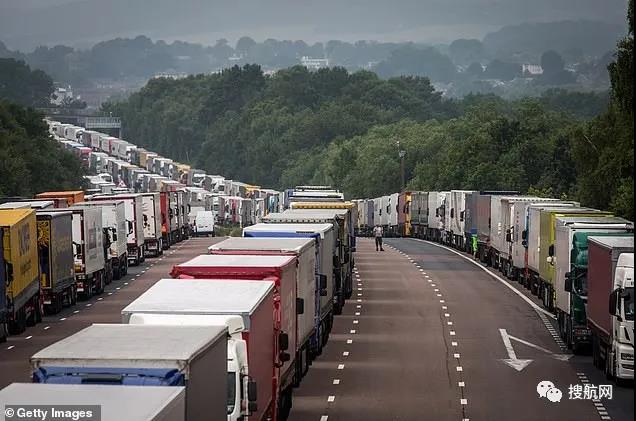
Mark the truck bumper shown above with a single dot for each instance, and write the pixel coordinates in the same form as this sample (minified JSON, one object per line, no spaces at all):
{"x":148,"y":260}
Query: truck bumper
{"x":625,"y":366}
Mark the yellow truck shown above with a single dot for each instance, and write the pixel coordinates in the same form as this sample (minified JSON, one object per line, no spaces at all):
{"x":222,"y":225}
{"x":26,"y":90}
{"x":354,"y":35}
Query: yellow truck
{"x":20,"y":251}
{"x":547,"y":239}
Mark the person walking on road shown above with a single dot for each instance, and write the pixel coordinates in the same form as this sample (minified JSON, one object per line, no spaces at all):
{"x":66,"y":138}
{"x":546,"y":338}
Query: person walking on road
{"x":377,"y":233}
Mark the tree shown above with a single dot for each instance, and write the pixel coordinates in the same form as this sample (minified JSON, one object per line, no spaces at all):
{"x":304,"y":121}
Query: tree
{"x":465,"y":51}
{"x":552,"y":62}
{"x":245,"y":44}
{"x":19,"y":84}
{"x":498,"y":69}
{"x":417,"y":62}
{"x":622,"y":70}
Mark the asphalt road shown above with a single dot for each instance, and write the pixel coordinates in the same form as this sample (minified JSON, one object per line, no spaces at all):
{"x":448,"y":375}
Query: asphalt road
{"x":105,"y":308}
{"x":422,"y":339}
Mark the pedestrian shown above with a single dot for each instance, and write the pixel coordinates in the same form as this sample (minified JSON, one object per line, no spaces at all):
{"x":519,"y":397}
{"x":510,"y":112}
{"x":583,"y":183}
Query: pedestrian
{"x":474,"y":246}
{"x":377,"y":233}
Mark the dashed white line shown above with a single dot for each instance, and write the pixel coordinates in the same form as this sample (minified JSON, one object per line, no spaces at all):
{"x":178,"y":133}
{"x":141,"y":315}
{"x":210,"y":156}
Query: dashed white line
{"x":455,"y":355}
{"x":459,"y":368}
{"x":11,"y":347}
{"x":341,"y":366}
{"x":454,"y":344}
{"x":461,"y":384}
{"x":352,"y":331}
{"x":452,"y":333}
{"x":336,"y":381}
{"x":355,"y":322}
{"x":47,"y":327}
{"x":28,"y":337}
{"x":345,"y":354}
{"x":349,"y":341}
{"x":357,"y":313}
{"x":331,"y":398}
{"x":62,"y":319}
{"x":76,"y":311}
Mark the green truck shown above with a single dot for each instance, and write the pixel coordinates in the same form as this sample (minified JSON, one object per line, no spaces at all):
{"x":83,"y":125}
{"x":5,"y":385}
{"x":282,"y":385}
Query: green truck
{"x":570,"y":270}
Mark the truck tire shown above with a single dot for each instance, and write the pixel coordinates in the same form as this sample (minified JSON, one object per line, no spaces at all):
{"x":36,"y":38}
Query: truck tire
{"x":117,"y":273}
{"x":18,"y":325}
{"x":124,"y":268}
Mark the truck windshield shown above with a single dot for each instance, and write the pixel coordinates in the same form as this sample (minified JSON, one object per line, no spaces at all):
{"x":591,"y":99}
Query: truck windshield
{"x":231,"y":391}
{"x":629,"y":304}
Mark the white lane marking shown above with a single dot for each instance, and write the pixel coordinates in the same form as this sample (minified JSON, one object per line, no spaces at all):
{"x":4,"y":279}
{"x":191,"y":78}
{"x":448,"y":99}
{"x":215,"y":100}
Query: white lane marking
{"x":349,"y":341}
{"x":125,"y":283}
{"x":454,"y":343}
{"x":62,"y":319}
{"x":455,"y":355}
{"x":459,"y":368}
{"x":357,"y":313}
{"x":497,"y":277}
{"x":442,"y":301}
{"x":464,"y":401}
{"x":359,"y":300}
{"x":352,"y":331}
{"x":11,"y":347}
{"x":76,"y":311}
{"x":358,"y":306}
{"x":444,"y":308}
{"x":439,"y":295}
{"x":449,"y":323}
{"x":355,"y":322}
{"x":100,"y":299}
{"x":429,"y":280}
{"x":461,"y":384}
{"x":28,"y":337}
{"x":345,"y":354}
{"x":88,"y":305}
{"x":446,"y":314}
{"x":421,"y":270}
{"x":110,"y":293}
{"x":341,"y":366}
{"x":47,"y":327}
{"x":436,"y":289}
{"x":336,"y":381}
{"x":331,"y":398}
{"x":452,"y":333}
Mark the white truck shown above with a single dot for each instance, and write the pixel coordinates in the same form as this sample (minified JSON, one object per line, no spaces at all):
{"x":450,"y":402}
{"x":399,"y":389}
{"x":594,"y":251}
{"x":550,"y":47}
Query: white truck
{"x":194,"y":357}
{"x":133,"y":206}
{"x":151,"y":208}
{"x":130,"y":403}
{"x":114,"y":222}
{"x":245,"y":307}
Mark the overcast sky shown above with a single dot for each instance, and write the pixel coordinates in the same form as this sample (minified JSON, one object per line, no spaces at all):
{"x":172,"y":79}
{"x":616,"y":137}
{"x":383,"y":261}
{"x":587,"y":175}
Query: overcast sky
{"x":25,"y":24}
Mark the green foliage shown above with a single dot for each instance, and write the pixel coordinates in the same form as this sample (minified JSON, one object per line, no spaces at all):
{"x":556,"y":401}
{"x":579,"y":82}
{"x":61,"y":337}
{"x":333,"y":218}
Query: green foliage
{"x":410,"y":60}
{"x":30,"y":161}
{"x":21,"y":85}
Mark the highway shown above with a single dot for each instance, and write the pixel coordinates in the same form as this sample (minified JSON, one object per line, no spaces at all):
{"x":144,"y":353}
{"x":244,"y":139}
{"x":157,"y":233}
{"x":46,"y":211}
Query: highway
{"x":424,"y":337}
{"x":105,"y":308}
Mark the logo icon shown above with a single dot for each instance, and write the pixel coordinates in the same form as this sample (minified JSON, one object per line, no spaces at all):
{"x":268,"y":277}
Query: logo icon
{"x":547,"y":389}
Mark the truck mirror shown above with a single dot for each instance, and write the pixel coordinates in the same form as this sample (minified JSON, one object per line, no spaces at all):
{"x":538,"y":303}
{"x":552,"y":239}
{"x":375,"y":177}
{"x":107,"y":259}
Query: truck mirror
{"x":524,"y":234}
{"x":284,"y":357}
{"x":568,"y":282}
{"x":508,"y":237}
{"x":551,"y":250}
{"x":252,"y":395}
{"x":283,"y":341}
{"x":524,"y":243}
{"x":322,"y":281}
{"x":461,"y":215}
{"x":613,"y":299}
{"x":130,"y":227}
{"x":300,"y":306}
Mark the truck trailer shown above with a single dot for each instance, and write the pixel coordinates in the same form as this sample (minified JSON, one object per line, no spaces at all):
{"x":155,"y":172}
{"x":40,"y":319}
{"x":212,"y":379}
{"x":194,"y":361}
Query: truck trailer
{"x":153,"y":240}
{"x":55,"y":252}
{"x":20,"y":252}
{"x":194,"y":357}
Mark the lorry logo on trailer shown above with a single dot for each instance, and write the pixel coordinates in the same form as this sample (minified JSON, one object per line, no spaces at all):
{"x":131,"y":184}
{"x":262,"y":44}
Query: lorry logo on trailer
{"x":25,"y":239}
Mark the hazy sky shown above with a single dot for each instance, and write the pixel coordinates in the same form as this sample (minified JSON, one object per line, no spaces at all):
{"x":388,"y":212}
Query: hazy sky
{"x":25,"y":24}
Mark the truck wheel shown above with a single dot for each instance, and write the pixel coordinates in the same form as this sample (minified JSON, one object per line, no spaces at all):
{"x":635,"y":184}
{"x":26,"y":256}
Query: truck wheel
{"x":36,"y":314}
{"x":4,"y":332}
{"x":73,"y":296}
{"x":125,"y":267}
{"x":117,"y":273}
{"x":18,"y":325}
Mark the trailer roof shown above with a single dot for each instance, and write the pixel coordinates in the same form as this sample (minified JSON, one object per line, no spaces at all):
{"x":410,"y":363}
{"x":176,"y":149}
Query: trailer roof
{"x":321,"y":228}
{"x":321,"y":205}
{"x":138,"y":403}
{"x":202,"y":296}
{"x":13,"y":216}
{"x":600,"y":220}
{"x":295,"y":245}
{"x":141,"y":343}
{"x":623,"y":242}
{"x":230,"y":260}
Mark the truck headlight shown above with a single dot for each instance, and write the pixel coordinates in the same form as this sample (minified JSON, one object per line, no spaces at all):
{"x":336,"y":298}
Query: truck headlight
{"x":627,"y":357}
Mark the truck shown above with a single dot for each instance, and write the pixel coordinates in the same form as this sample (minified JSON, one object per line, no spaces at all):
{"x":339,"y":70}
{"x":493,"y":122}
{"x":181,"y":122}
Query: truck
{"x":545,"y":279}
{"x":344,"y":262}
{"x":404,"y":227}
{"x":133,"y":206}
{"x":55,"y":252}
{"x":204,"y":223}
{"x":326,"y":251}
{"x":308,"y":283}
{"x":436,"y":215}
{"x":570,"y":260}
{"x":114,"y":227}
{"x":4,"y":332}
{"x":418,"y":213}
{"x":194,"y":357}
{"x":282,"y":271}
{"x":610,"y":305}
{"x":456,"y":230}
{"x":88,"y":251}
{"x":153,"y":239}
{"x":70,"y":197}
{"x":247,"y":309}
{"x":21,"y":274}
{"x":132,"y":403}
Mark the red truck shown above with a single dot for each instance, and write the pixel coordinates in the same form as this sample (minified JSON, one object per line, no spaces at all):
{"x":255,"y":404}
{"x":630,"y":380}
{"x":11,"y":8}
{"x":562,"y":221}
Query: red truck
{"x":282,"y":271}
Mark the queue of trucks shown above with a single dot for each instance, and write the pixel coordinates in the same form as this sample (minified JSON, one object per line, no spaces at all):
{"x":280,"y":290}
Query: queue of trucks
{"x":259,"y":307}
{"x":550,"y":246}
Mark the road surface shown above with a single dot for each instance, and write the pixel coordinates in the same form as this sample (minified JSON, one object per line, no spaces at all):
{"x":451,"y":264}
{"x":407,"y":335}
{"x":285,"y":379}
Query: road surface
{"x":105,"y":308}
{"x":430,"y":335}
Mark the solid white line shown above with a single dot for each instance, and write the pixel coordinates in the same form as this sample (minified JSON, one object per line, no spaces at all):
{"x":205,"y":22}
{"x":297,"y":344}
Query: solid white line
{"x":506,"y":341}
{"x":497,"y":277}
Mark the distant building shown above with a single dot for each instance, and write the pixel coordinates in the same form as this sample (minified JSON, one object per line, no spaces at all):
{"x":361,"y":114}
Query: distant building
{"x":532,"y":69}
{"x":61,"y":95}
{"x":169,"y":75}
{"x":314,"y":63}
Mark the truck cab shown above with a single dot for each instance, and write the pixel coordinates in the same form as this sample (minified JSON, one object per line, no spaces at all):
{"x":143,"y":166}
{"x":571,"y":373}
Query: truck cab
{"x":622,"y":311}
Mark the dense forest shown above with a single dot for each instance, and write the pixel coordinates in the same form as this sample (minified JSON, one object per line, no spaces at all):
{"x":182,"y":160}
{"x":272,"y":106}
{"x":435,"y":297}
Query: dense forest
{"x":30,"y":161}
